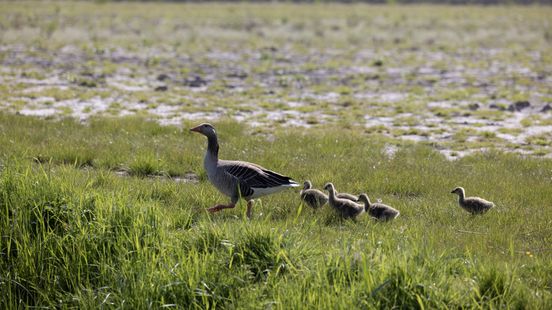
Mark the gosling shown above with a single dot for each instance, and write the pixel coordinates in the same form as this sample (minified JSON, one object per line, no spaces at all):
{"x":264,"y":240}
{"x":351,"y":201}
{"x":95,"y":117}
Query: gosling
{"x":346,"y":208}
{"x":473,"y":205}
{"x":347,"y":196}
{"x":379,"y":211}
{"x":312,"y":197}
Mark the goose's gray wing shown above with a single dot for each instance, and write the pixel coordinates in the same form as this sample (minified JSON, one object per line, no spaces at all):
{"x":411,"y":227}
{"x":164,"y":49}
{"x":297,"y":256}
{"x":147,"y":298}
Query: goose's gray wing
{"x":251,"y":177}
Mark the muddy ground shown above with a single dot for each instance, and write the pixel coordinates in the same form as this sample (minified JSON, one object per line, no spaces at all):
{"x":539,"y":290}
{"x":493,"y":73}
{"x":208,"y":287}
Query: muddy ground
{"x":462,"y":79}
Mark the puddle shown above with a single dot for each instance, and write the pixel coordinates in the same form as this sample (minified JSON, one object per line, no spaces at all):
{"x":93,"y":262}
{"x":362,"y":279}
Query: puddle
{"x":189,"y":177}
{"x":382,"y":97}
{"x":390,"y":150}
{"x":42,"y":112}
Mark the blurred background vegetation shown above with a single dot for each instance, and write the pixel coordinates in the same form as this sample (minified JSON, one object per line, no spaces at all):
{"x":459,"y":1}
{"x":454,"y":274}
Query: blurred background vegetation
{"x":460,"y":2}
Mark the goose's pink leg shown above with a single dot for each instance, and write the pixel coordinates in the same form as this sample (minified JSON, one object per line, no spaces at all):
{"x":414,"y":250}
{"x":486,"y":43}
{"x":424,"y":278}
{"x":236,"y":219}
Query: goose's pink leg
{"x":221,"y":207}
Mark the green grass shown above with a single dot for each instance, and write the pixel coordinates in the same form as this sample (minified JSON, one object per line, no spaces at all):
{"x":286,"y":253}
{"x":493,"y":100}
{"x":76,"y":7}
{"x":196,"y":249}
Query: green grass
{"x":76,"y":234}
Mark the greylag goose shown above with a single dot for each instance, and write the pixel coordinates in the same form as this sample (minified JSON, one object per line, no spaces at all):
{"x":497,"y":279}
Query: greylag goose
{"x":378,"y":211}
{"x":237,"y":179}
{"x":473,"y":205}
{"x":312,"y":197}
{"x":346,"y":208}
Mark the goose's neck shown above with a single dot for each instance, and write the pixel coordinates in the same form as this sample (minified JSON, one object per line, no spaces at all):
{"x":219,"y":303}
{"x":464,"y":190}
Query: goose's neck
{"x":211,"y":156}
{"x":331,"y":194}
{"x":461,"y":196}
{"x":212,"y":146}
{"x":367,"y":204}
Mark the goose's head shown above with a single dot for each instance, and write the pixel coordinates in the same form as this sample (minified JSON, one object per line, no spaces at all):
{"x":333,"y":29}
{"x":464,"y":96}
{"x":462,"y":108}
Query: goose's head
{"x":205,"y":129}
{"x":307,"y":184}
{"x":329,"y":187}
{"x":458,"y":191}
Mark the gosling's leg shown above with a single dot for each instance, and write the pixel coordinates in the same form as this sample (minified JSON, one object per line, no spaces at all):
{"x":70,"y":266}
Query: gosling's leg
{"x":221,"y":207}
{"x":249,"y":207}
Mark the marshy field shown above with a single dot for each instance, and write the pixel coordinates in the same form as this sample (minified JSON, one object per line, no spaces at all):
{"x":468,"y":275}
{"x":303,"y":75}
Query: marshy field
{"x":103,"y":191}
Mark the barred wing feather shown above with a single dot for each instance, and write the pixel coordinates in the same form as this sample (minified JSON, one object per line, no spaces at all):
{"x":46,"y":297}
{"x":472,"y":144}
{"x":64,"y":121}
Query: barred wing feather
{"x":251,"y":177}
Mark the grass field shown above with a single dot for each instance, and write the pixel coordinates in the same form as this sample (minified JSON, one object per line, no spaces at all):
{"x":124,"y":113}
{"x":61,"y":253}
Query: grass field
{"x":103,"y":198}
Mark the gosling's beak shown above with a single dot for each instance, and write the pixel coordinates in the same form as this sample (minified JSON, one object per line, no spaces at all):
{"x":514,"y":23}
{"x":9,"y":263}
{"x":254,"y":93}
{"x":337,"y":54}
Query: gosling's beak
{"x":196,"y":129}
{"x":452,"y":192}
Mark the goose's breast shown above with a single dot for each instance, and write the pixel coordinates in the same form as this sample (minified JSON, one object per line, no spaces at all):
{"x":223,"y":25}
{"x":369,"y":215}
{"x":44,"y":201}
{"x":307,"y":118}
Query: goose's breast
{"x":223,"y":182}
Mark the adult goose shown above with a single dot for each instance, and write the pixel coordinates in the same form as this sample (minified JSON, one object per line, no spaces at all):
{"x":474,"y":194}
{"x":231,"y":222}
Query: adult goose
{"x":473,"y":205}
{"x":312,"y":197}
{"x":345,"y":207}
{"x":237,"y":179}
{"x":379,"y":211}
